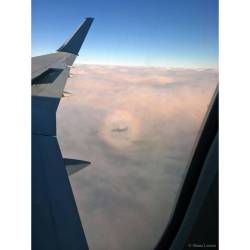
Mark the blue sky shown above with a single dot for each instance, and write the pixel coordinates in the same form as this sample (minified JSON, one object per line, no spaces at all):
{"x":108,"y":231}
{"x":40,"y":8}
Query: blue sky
{"x":173,"y":33}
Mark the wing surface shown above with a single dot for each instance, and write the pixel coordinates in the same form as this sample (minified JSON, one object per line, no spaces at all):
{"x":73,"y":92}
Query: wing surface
{"x":55,"y":220}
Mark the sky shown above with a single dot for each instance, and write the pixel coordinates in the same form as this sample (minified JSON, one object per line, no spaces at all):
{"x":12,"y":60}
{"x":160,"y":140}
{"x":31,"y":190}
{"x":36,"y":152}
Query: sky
{"x":172,"y":33}
{"x":137,"y":126}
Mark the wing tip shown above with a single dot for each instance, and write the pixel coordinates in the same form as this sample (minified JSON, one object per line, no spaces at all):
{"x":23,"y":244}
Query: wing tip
{"x":89,"y":18}
{"x":74,"y":43}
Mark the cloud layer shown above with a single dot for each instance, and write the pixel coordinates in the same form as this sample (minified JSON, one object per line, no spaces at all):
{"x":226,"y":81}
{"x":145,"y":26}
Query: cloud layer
{"x":137,"y":126}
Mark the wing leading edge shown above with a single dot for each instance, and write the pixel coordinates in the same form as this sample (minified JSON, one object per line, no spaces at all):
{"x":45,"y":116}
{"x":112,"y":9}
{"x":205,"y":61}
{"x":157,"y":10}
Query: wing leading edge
{"x":55,"y":220}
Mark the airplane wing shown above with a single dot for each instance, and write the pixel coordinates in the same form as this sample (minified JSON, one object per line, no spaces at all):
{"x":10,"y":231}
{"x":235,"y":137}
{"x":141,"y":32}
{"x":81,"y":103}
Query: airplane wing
{"x":55,"y":220}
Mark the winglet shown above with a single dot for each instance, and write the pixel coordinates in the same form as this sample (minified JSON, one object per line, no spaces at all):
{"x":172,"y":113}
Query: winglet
{"x":74,"y":43}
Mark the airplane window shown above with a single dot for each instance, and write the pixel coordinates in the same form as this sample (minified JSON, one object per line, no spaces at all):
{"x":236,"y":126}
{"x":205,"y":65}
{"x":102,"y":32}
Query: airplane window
{"x":137,"y":126}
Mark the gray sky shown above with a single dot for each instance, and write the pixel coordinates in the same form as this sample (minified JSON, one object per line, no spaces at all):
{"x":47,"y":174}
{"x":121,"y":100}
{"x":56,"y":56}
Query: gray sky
{"x":137,"y":126}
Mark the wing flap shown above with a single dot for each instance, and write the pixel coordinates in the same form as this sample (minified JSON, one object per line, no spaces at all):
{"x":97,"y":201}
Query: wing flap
{"x":73,"y":166}
{"x":51,"y":84}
